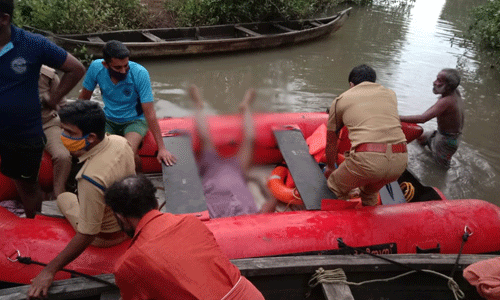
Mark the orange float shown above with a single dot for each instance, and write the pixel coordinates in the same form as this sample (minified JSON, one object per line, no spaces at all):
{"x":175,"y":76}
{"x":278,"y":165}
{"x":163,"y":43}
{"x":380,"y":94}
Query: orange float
{"x":280,"y":190}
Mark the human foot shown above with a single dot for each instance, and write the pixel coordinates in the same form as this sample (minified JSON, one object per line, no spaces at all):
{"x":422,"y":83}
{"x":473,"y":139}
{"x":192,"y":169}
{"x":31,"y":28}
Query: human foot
{"x":248,"y":100}
{"x":194,"y":92}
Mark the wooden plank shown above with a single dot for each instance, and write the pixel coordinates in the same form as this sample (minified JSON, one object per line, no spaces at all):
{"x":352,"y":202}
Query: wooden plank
{"x":315,"y":23}
{"x":265,"y":266}
{"x":152,"y":37}
{"x":337,"y":291}
{"x":95,"y":39}
{"x":64,"y":289}
{"x":284,"y":28}
{"x":247,"y":31}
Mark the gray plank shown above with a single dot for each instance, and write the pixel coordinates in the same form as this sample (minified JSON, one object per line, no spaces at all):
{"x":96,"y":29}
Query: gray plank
{"x":152,"y":37}
{"x":95,"y":39}
{"x":337,"y":291}
{"x":64,"y":289}
{"x":182,"y":183}
{"x":307,"y":175}
{"x":268,"y":266}
{"x":246,"y":30}
{"x":284,"y":28}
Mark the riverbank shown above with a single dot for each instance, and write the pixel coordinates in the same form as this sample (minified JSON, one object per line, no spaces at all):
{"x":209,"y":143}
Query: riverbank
{"x":159,"y":17}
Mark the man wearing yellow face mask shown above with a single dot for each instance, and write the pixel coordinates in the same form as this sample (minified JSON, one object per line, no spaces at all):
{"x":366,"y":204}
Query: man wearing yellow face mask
{"x":106,"y":159}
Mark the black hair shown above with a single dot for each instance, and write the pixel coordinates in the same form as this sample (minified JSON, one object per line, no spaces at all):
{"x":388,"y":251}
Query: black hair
{"x":7,"y":6}
{"x":362,"y":73}
{"x":132,"y":197}
{"x":452,"y":78}
{"x":87,"y":115}
{"x":114,"y":49}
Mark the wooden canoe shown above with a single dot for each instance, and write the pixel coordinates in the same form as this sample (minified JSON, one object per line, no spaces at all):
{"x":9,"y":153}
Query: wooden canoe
{"x":206,"y":39}
{"x":287,"y":277}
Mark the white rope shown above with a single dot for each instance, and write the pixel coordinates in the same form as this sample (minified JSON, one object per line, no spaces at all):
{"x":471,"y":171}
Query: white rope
{"x":338,"y":276}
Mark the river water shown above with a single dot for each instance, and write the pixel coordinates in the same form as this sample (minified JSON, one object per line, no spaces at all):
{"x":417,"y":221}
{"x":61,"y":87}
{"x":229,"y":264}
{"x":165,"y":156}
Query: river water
{"x":407,"y":44}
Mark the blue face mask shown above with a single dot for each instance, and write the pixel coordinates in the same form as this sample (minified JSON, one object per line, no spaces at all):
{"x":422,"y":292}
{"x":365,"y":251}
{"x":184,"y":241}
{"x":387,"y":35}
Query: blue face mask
{"x":117,"y":75}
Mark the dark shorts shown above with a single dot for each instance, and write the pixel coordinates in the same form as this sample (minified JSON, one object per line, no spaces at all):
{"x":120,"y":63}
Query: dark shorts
{"x":21,"y":159}
{"x":140,"y":126}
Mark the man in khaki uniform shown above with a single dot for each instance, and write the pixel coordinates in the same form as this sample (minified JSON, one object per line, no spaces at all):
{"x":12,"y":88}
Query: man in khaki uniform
{"x":378,"y":145}
{"x":106,"y":158}
{"x":61,"y":159}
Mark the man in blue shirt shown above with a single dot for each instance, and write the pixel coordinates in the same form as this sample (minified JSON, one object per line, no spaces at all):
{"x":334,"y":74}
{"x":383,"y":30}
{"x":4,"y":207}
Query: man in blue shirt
{"x":21,"y":135}
{"x":128,"y":98}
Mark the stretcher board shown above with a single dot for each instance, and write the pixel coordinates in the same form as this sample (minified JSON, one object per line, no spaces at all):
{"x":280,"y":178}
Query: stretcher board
{"x":182,"y":183}
{"x":391,"y":193}
{"x":307,"y":175}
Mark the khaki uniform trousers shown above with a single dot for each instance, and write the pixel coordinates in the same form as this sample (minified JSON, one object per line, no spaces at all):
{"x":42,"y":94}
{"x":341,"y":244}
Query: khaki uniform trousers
{"x":369,"y":171}
{"x":61,"y":159}
{"x":68,"y":205}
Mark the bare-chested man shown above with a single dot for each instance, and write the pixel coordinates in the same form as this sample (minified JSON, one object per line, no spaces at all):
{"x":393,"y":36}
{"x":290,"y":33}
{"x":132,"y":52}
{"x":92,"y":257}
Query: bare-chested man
{"x":443,"y":142}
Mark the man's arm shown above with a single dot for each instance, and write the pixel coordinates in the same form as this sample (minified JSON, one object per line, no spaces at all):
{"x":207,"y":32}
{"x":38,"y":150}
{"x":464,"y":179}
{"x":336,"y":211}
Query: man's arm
{"x":41,"y":283}
{"x":85,"y":94}
{"x":331,"y":151}
{"x":163,"y":154}
{"x":434,"y":111}
{"x":73,"y":72}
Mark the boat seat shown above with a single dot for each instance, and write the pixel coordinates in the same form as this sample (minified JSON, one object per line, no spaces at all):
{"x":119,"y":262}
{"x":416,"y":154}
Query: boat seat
{"x":315,"y":23}
{"x":152,"y":37}
{"x":284,"y":28}
{"x":182,"y":183}
{"x":246,"y":30}
{"x":307,"y":175}
{"x":95,"y":39}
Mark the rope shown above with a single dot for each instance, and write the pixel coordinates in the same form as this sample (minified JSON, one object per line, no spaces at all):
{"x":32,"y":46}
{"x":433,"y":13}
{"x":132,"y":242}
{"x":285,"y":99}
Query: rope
{"x":338,"y":276}
{"x":27,"y":261}
{"x":408,"y":190}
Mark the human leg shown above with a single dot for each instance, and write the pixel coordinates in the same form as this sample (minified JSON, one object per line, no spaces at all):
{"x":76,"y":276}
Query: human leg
{"x":201,"y":118}
{"x":21,"y":162}
{"x":134,"y":132}
{"x":61,"y":158}
{"x":245,"y":153}
{"x":425,"y":138}
{"x":135,"y":140}
{"x":443,"y":147}
{"x":68,"y":205}
{"x":342,"y":181}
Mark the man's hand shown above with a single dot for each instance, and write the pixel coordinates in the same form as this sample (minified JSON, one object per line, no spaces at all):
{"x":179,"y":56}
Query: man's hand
{"x":166,"y":157}
{"x":328,"y":171}
{"x":40,"y":284}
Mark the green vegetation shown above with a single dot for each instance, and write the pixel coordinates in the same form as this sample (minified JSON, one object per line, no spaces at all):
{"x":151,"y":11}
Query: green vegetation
{"x":213,"y":12}
{"x":485,"y":27}
{"x":80,"y":16}
{"x":484,"y":31}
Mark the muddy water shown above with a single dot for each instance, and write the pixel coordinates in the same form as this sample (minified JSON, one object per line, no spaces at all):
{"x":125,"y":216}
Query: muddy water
{"x":407,"y":44}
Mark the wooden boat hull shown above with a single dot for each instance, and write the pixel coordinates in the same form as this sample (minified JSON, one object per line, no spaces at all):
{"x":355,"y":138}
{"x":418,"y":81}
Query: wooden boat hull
{"x":288,"y":277}
{"x":207,"y":39}
{"x":389,"y":229}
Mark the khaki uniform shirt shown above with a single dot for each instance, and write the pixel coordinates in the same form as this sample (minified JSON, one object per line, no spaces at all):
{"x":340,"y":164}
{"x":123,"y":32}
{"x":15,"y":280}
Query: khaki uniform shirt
{"x":107,"y":162}
{"x":47,"y":83}
{"x":370,"y":113}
